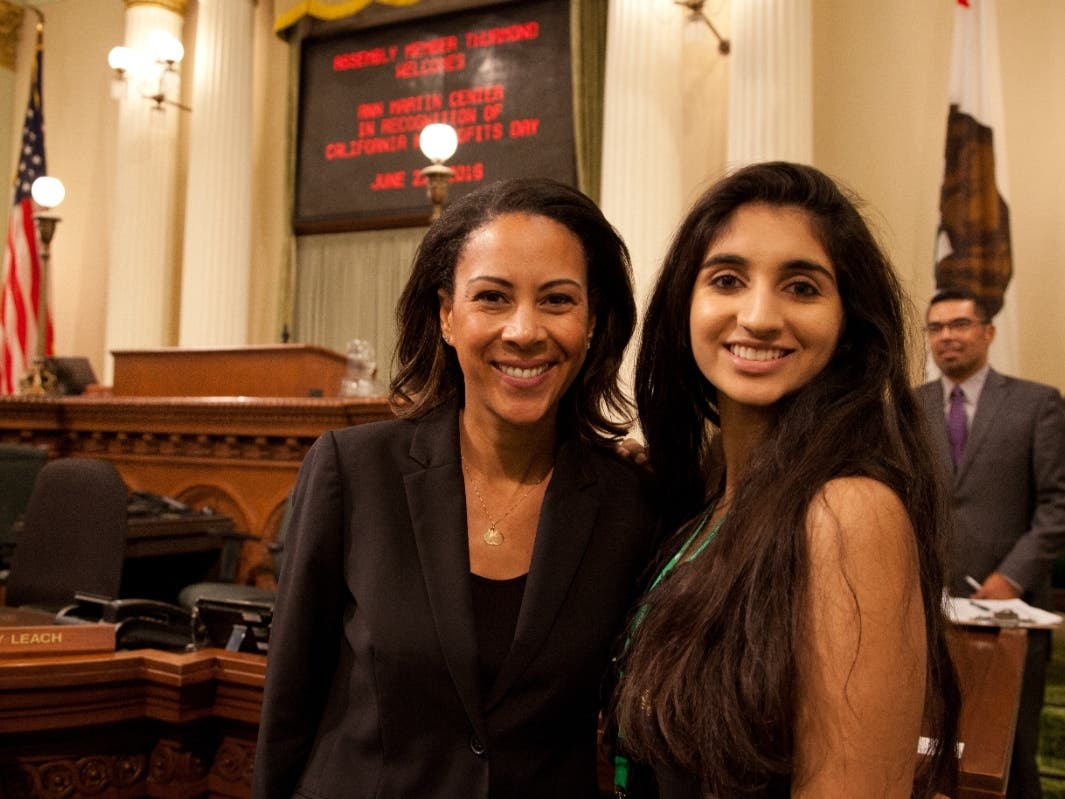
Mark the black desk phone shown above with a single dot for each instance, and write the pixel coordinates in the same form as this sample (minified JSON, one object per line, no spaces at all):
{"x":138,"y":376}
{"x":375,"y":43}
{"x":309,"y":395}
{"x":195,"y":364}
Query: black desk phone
{"x":141,"y":623}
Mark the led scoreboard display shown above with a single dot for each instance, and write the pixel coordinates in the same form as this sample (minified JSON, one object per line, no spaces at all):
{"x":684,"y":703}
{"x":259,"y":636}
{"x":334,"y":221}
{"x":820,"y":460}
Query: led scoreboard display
{"x":500,"y":76}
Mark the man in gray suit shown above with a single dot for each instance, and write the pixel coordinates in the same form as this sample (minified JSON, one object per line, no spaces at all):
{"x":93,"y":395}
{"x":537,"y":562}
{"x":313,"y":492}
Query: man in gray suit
{"x":1001,"y":442}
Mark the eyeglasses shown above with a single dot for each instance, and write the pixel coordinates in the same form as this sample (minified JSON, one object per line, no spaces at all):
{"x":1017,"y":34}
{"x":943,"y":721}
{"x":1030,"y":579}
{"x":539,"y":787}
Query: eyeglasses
{"x":959,"y":325}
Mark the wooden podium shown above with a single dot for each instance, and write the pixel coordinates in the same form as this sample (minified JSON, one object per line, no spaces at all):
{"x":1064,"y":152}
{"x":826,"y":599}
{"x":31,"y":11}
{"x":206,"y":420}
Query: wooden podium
{"x":990,"y":665}
{"x":282,"y":370}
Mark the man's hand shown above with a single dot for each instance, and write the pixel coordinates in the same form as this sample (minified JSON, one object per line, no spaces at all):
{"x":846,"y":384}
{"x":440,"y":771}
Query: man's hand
{"x":996,"y":587}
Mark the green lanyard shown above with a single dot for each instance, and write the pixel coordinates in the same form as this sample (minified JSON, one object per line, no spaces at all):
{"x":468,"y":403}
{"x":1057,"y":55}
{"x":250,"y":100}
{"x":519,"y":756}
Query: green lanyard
{"x":621,"y":763}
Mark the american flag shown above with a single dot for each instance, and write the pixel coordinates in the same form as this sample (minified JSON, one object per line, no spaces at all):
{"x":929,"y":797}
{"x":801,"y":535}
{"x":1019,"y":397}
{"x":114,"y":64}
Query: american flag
{"x":20,"y":286}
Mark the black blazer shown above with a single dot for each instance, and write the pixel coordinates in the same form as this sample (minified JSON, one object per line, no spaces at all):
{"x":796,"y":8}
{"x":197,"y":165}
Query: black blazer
{"x":372,"y":678}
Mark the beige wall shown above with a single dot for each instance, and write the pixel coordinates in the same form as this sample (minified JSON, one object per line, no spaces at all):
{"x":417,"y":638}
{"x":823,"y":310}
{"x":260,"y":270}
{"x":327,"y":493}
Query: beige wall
{"x":880,"y":76}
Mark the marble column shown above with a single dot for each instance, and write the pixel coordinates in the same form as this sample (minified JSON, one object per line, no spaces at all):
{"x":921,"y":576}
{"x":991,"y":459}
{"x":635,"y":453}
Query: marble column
{"x":770,"y":82}
{"x":142,"y":271}
{"x":217,"y":249}
{"x":643,"y":129}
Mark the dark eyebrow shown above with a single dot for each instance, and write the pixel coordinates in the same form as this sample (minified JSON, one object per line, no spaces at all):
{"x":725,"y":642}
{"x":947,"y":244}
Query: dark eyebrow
{"x":560,"y":283}
{"x":796,"y":265}
{"x":724,"y":258}
{"x":551,"y":284}
{"x":490,"y":279}
{"x":802,"y":265}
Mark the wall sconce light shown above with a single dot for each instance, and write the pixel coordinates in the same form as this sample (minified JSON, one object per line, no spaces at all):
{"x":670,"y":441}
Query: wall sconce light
{"x":151,"y":74}
{"x":41,"y":379}
{"x":438,"y":143}
{"x":697,"y":13}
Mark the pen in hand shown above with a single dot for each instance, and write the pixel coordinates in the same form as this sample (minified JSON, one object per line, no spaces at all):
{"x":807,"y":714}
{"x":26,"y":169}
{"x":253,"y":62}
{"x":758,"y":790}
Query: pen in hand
{"x":976,"y":587}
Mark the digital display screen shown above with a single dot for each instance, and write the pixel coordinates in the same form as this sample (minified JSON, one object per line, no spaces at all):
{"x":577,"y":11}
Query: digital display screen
{"x":500,"y":76}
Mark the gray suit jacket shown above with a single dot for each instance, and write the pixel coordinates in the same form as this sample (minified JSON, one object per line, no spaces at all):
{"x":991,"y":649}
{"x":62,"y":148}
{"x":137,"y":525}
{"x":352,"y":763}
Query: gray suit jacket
{"x":1008,"y":494}
{"x":372,"y":683}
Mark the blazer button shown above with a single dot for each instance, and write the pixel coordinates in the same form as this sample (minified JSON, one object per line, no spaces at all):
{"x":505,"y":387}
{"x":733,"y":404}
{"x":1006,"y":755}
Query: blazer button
{"x":477,"y":745}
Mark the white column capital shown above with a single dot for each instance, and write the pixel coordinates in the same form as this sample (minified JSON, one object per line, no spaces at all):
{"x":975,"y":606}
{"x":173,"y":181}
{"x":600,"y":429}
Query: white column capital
{"x":177,"y":6}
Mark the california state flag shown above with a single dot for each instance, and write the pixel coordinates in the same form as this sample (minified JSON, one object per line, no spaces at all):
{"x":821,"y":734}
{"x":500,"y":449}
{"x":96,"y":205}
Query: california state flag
{"x":973,"y":241}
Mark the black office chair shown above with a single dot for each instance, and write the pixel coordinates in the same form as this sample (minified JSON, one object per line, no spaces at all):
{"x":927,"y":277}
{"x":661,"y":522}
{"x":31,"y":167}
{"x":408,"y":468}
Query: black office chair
{"x":236,"y":617}
{"x":190,"y":595}
{"x":19,"y":466}
{"x":73,"y":536}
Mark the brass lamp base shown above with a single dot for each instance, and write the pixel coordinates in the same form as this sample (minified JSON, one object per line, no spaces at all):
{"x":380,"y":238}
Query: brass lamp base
{"x":41,"y":380}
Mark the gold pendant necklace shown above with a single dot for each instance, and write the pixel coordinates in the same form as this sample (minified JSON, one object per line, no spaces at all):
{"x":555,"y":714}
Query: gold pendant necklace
{"x":492,"y":536}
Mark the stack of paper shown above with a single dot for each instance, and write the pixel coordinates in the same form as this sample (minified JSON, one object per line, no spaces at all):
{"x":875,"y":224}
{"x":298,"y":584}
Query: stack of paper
{"x":998,"y":613}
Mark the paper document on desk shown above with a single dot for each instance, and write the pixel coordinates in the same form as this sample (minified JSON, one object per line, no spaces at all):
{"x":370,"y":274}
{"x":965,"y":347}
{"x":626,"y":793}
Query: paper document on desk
{"x":998,"y":613}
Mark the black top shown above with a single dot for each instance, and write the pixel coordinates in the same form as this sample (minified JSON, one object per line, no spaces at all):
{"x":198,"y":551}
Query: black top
{"x":496,"y":604}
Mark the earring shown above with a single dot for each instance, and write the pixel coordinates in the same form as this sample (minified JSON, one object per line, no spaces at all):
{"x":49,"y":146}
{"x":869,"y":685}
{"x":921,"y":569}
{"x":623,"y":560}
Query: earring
{"x":446,"y":337}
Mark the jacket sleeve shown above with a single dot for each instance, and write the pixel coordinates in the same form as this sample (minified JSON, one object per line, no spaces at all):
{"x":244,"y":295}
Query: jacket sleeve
{"x":1033,"y":554}
{"x":304,"y":635}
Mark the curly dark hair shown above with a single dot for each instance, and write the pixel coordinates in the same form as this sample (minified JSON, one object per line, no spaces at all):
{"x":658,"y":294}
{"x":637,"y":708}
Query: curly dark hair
{"x":734,"y":623}
{"x":428,"y":373}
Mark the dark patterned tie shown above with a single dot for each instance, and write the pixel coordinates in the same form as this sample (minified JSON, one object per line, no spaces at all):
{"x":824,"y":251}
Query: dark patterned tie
{"x":957,"y":424}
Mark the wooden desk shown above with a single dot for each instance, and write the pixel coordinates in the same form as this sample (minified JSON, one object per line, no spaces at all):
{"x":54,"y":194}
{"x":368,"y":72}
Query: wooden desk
{"x":164,"y":554}
{"x":151,"y":536}
{"x":238,"y":455}
{"x":130,"y":724}
{"x":149,"y":723}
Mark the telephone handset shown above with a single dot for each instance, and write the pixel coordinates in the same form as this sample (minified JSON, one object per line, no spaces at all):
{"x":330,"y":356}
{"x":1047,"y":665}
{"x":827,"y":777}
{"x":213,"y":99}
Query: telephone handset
{"x":140,"y":623}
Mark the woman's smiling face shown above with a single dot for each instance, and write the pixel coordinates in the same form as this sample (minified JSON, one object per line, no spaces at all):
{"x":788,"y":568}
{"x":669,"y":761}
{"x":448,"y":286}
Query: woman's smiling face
{"x":519,"y":319}
{"x":766,"y":313}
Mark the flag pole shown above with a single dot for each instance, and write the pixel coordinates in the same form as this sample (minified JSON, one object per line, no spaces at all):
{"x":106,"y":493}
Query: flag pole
{"x":41,"y":379}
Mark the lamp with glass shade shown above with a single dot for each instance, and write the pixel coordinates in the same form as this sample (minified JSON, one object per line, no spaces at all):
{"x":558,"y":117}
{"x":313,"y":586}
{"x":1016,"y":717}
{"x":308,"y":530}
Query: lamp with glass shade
{"x":150,"y":71}
{"x":438,"y":143}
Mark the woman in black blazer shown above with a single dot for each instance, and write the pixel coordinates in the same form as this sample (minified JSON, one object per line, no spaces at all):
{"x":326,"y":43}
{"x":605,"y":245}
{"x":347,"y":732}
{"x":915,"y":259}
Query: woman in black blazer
{"x":455,"y":579}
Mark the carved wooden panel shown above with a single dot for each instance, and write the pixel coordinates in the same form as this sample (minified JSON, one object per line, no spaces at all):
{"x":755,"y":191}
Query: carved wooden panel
{"x":130,"y":724}
{"x":238,"y":455}
{"x":117,"y":776}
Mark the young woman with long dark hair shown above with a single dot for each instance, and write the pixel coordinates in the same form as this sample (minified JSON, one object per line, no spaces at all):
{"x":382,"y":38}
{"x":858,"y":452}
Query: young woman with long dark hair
{"x":792,"y":641}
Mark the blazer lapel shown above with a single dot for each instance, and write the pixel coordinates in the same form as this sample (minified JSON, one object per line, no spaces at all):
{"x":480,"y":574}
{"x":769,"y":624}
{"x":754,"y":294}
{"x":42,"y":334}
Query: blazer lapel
{"x":566,"y":521}
{"x":987,"y":407}
{"x":436,"y":499}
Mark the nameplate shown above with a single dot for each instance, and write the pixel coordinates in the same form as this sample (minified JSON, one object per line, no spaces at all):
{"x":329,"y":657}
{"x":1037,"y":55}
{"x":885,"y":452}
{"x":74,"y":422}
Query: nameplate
{"x":27,"y":633}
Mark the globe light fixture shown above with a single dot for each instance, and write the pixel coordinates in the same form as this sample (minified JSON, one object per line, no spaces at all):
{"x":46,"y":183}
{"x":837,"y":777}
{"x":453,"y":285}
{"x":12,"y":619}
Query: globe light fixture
{"x":438,"y":142}
{"x":48,"y":192}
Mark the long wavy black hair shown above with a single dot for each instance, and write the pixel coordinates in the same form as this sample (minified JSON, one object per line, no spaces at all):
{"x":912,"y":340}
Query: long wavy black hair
{"x":733,"y":623}
{"x":428,"y":373}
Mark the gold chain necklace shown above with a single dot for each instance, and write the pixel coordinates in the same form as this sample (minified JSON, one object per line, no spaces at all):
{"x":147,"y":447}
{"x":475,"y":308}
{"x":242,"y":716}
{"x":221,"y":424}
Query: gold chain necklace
{"x":492,"y":536}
